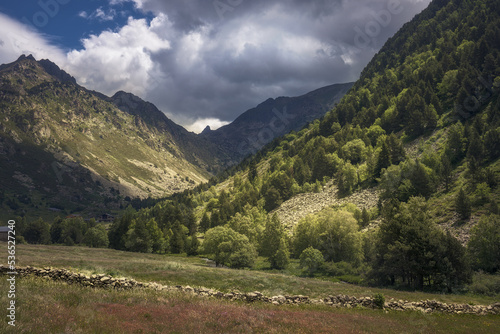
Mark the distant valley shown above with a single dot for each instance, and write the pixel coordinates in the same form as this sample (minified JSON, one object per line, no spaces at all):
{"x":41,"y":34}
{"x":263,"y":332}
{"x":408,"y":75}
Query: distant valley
{"x":66,"y":149}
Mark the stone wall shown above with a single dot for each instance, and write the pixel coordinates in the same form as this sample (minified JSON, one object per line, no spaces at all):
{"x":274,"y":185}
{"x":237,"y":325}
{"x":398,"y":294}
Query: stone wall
{"x":106,"y":281}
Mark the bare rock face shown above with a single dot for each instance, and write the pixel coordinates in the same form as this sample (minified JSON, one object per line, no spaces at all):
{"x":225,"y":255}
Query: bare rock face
{"x":55,"y":71}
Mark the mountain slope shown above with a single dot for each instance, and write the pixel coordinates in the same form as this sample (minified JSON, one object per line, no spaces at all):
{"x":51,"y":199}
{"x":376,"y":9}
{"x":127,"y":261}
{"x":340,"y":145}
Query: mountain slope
{"x":422,"y":121}
{"x":273,"y":118}
{"x":64,"y":147}
{"x":120,"y":146}
{"x":194,"y":148}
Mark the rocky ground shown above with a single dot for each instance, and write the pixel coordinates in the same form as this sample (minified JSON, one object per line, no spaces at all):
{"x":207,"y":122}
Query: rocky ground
{"x":301,"y":205}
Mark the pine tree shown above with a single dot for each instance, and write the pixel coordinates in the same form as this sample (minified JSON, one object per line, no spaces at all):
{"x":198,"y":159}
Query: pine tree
{"x":383,"y":160}
{"x":159,"y":244}
{"x":347,"y":179}
{"x":302,"y":173}
{"x":272,"y":199}
{"x":252,"y":172}
{"x":396,"y":149}
{"x":178,"y":242}
{"x":281,"y":258}
{"x":205,"y":223}
{"x":193,"y":246}
{"x":476,"y":147}
{"x":215,"y":219}
{"x":446,"y":171}
{"x":463,"y":205}
{"x":455,"y":143}
{"x":431,"y":117}
{"x":420,"y":181}
{"x":492,"y":144}
{"x":417,"y":111}
{"x":365,"y":217}
{"x":272,"y":246}
{"x":320,"y":166}
{"x":119,"y":228}
{"x":138,"y":238}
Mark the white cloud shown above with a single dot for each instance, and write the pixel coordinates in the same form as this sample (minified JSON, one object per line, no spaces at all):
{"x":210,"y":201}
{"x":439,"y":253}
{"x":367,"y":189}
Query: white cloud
{"x":19,"y":39}
{"x":201,"y":123}
{"x":118,"y":60}
{"x":100,"y":14}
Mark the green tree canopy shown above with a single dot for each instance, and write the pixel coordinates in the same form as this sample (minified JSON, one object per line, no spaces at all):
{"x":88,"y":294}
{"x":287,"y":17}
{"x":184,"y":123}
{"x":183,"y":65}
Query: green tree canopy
{"x":311,"y":260}
{"x":37,"y":232}
{"x":484,"y":244}
{"x":229,"y":248}
{"x":335,"y":233}
{"x":411,"y":250}
{"x":96,"y":237}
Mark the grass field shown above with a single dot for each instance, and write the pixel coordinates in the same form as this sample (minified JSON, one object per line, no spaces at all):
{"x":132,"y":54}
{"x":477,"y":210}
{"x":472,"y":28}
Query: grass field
{"x":49,"y":307}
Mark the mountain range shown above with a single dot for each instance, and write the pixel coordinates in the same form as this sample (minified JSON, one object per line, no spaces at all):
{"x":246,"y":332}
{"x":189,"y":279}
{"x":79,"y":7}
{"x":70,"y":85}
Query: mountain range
{"x":273,"y":118}
{"x":66,"y":148}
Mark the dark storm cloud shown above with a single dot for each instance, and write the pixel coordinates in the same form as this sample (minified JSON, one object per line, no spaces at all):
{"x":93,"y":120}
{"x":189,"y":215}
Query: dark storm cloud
{"x":226,"y":56}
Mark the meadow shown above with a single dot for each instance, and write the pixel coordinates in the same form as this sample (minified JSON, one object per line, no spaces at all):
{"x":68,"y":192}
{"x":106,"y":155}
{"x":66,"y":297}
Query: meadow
{"x":54,"y":307}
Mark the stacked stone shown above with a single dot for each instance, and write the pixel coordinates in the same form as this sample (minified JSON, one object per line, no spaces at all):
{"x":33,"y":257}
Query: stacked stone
{"x":107,"y":281}
{"x":349,"y":301}
{"x":97,"y":281}
{"x":429,"y":306}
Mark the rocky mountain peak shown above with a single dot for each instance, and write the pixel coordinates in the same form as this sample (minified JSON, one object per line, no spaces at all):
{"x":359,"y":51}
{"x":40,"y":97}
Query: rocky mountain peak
{"x":49,"y":67}
{"x":55,"y":71}
{"x":206,"y":130}
{"x":23,"y":57}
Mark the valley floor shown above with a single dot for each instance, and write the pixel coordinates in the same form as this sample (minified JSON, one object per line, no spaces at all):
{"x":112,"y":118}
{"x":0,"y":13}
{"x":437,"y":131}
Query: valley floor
{"x":54,"y":307}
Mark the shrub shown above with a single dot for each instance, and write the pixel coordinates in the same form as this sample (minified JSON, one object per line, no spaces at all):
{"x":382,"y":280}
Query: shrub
{"x":379,"y":300}
{"x":311,"y":260}
{"x":485,"y":284}
{"x":341,"y":268}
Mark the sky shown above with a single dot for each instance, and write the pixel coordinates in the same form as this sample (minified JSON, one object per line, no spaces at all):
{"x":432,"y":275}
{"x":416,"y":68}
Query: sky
{"x":203,"y":62}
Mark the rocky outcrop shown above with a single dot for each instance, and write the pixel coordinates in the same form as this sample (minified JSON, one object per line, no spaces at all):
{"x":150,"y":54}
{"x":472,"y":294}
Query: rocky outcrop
{"x":302,"y":205}
{"x":109,"y":282}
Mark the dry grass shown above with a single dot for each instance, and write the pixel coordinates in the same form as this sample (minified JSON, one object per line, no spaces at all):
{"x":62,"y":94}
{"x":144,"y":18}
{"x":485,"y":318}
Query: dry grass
{"x":49,"y":307}
{"x":193,"y":271}
{"x":52,"y":307}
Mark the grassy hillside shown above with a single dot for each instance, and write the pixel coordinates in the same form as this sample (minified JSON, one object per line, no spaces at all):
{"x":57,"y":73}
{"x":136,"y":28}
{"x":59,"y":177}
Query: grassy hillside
{"x":66,"y":148}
